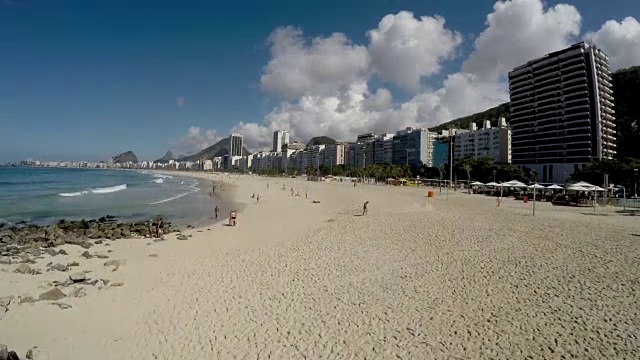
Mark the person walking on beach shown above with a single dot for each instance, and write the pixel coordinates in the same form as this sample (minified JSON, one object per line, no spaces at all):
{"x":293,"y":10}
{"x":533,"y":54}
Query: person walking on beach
{"x":160,"y":228}
{"x":216,"y":211}
{"x":291,"y":191}
{"x":151,"y":228}
{"x":258,"y":199}
{"x":232,"y":218}
{"x":365,"y":208}
{"x":306,"y":194}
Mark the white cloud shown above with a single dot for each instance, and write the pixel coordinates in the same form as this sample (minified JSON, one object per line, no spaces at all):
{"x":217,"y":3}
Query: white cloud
{"x":325,"y":83}
{"x":403,"y":49}
{"x":197,"y":139}
{"x":620,"y":41}
{"x":323,"y":67}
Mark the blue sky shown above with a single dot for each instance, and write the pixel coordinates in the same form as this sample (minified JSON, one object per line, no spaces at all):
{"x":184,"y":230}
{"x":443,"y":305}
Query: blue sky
{"x":89,"y":79}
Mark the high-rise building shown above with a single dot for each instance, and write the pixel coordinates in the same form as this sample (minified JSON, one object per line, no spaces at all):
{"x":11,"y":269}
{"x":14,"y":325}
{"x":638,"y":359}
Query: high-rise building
{"x":235,"y":145}
{"x":280,"y":138}
{"x":493,"y":142}
{"x":562,"y":112}
{"x":413,"y":147}
{"x":383,"y":149}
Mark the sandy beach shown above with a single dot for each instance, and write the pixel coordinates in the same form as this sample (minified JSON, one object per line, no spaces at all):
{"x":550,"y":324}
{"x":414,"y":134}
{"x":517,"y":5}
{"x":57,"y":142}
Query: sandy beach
{"x":416,"y":278}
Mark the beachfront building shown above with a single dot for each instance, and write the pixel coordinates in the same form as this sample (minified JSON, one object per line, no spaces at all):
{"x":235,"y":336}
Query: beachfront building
{"x":217,"y":163}
{"x":413,"y":147}
{"x":562,"y":112}
{"x":383,"y":149}
{"x":280,"y":138}
{"x":334,"y":154}
{"x":288,"y":154}
{"x":208,"y":165}
{"x":235,"y":145}
{"x":488,"y":141}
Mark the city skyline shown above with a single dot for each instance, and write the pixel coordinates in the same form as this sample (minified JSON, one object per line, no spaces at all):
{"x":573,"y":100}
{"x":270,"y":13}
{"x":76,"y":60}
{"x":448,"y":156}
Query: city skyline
{"x":140,"y":86}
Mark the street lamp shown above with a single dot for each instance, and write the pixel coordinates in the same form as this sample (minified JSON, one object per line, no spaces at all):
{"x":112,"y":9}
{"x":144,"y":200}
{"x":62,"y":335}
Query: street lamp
{"x":635,"y":184}
{"x":494,"y":176}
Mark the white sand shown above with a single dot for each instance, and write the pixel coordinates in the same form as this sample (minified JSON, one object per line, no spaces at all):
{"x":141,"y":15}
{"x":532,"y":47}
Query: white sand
{"x":416,"y":278}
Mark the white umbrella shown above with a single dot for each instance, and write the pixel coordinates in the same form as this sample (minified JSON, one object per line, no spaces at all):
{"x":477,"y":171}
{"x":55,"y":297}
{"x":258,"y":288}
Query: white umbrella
{"x":537,"y":186}
{"x":554,"y":187}
{"x":477,"y":183}
{"x":492,"y":184}
{"x":513,"y":183}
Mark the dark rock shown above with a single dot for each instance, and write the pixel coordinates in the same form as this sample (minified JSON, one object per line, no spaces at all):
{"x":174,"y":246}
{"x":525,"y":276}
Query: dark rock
{"x":27,"y":300}
{"x":182,"y":237}
{"x":98,"y":242}
{"x":153,"y":255}
{"x":87,"y":255}
{"x":116,"y":263}
{"x":60,"y":267}
{"x":23,"y":269}
{"x":117,"y":284}
{"x":62,"y":252}
{"x":52,"y":295}
{"x":73,"y":264}
{"x":78,"y":277}
{"x":102,"y":256}
{"x":62,"y":305}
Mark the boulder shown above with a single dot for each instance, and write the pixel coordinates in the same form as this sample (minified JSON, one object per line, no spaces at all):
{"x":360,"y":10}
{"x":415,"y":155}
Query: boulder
{"x":87,"y":255}
{"x":78,"y":277}
{"x":36,"y":353}
{"x":26,"y":300}
{"x":5,"y":260}
{"x":116,"y":263}
{"x":23,"y":269}
{"x":52,"y":295}
{"x":60,"y":267}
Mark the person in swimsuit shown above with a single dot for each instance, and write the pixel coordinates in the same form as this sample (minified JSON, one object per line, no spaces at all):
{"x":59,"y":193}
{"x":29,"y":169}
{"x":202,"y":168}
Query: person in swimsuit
{"x":160,"y":228}
{"x":151,"y":228}
{"x":232,"y":218}
{"x":365,"y":208}
{"x":216,"y":211}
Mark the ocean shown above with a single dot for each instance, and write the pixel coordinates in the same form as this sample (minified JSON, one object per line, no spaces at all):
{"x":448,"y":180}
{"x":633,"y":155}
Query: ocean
{"x":45,"y":195}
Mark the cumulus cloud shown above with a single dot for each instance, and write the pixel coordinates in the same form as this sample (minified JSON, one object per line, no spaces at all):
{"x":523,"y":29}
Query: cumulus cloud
{"x":619,"y":40}
{"x":403,"y":49}
{"x":324,"y":66}
{"x":197,"y":139}
{"x":325,"y":83}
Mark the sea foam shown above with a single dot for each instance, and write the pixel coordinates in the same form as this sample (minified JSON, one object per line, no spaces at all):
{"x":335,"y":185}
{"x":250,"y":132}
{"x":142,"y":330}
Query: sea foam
{"x":158,"y":181}
{"x":105,"y":190}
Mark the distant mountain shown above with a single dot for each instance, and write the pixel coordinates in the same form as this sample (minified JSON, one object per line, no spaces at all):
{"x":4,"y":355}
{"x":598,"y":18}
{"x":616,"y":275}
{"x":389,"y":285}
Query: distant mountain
{"x":167,"y":156}
{"x":125,"y":157}
{"x":321,"y":140}
{"x":502,"y":110}
{"x":221,"y":148}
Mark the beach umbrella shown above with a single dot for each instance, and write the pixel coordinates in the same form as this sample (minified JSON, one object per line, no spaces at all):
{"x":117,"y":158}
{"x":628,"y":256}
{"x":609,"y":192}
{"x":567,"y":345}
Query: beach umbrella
{"x":554,"y":187}
{"x":536,"y":186}
{"x":492,"y":184}
{"x":513,"y":183}
{"x":477,"y":183}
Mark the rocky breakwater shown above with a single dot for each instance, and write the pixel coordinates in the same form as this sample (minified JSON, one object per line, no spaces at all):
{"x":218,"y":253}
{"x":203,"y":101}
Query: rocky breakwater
{"x":17,"y":240}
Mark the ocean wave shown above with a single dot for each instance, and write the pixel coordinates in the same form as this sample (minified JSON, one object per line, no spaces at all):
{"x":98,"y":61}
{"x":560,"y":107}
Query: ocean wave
{"x":175,"y":197}
{"x":158,"y":181}
{"x":106,"y":190}
{"x":162,"y":176}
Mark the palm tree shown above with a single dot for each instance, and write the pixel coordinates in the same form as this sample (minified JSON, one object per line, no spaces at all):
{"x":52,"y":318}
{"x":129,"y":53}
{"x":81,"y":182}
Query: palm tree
{"x":441,"y":169}
{"x":467,"y":168}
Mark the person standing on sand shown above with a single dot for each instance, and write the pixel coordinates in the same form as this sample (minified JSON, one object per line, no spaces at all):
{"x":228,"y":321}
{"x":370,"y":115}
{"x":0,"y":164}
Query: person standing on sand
{"x":151,"y":228}
{"x":291,"y":191}
{"x":216,"y":211}
{"x":232,"y":218}
{"x":258,"y":199}
{"x":365,"y":208}
{"x":160,"y":228}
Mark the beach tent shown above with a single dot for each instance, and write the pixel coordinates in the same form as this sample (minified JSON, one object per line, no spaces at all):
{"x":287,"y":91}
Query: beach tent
{"x":492,"y":184}
{"x":583,"y":186}
{"x":477,"y":183}
{"x":555,"y":187}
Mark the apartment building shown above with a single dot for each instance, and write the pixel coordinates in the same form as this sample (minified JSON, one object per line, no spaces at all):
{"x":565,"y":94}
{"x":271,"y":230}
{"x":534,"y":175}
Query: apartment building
{"x":383,"y":149}
{"x":235,"y":145}
{"x":413,"y":147}
{"x":493,"y":142}
{"x":280,"y":138}
{"x":562,"y":112}
{"x":334,"y":154}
